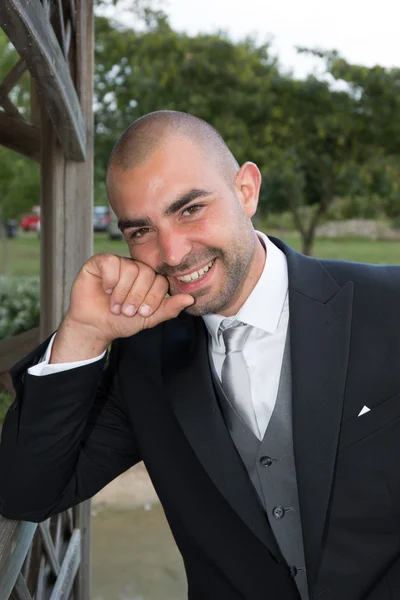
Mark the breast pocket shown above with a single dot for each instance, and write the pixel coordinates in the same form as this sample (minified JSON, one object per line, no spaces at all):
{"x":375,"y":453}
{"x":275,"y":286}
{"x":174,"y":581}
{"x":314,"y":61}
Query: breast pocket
{"x":380,"y":416}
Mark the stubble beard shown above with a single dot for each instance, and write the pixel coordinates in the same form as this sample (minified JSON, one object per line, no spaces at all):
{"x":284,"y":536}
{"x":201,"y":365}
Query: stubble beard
{"x":235,"y":270}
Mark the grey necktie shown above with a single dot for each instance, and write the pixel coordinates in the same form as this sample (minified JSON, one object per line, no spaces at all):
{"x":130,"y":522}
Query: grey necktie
{"x":234,"y":376}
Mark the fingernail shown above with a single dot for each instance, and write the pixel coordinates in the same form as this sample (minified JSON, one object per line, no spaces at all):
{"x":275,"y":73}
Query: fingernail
{"x":145,"y":310}
{"x":129,"y":310}
{"x":116,"y":309}
{"x":109,"y":291}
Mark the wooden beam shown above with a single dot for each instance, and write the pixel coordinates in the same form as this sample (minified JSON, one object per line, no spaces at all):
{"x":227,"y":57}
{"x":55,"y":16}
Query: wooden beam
{"x":12,"y":77}
{"x":20,"y":136}
{"x":14,"y":348}
{"x":15,"y":539}
{"x":20,"y":591}
{"x":9,"y":107}
{"x":29,"y":30}
{"x":69,"y":568}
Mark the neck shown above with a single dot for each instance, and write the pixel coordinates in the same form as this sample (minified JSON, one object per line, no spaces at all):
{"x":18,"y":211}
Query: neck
{"x":250,"y":281}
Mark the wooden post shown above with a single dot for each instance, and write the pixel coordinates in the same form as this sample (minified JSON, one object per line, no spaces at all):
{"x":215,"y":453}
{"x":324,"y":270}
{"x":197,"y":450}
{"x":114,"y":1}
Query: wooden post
{"x":67,"y":228}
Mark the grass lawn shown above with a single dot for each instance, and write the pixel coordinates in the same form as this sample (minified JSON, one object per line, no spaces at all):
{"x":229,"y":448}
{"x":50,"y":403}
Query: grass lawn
{"x":24,"y":251}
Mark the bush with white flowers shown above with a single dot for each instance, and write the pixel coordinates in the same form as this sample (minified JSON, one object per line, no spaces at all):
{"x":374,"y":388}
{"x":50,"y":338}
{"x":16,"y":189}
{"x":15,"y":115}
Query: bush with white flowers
{"x":19,"y":305}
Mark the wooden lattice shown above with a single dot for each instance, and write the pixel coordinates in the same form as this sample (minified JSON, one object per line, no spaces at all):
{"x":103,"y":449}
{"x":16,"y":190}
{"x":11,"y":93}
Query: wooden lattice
{"x":51,"y":563}
{"x":62,"y":16}
{"x":15,"y":131}
{"x":54,"y":39}
{"x":44,"y":34}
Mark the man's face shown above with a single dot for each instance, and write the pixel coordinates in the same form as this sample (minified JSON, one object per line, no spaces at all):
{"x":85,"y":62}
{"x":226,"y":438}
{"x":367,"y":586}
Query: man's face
{"x":181,"y":217}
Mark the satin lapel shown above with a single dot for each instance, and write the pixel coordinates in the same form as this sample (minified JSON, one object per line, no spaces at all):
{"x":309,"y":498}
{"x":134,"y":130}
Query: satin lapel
{"x":188,"y":380}
{"x":320,"y":327}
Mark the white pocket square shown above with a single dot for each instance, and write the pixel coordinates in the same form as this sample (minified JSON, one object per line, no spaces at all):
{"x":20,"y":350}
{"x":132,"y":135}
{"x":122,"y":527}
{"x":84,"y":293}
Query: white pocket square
{"x":364,"y":410}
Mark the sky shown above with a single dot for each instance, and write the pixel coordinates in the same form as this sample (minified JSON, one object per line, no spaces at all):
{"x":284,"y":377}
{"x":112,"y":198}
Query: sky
{"x":363,"y":31}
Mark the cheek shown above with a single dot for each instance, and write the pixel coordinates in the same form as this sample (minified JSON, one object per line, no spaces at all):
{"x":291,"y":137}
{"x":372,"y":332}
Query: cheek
{"x":144,"y":253}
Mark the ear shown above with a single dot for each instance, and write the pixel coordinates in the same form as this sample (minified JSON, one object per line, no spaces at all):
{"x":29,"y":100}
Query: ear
{"x":248,"y":183}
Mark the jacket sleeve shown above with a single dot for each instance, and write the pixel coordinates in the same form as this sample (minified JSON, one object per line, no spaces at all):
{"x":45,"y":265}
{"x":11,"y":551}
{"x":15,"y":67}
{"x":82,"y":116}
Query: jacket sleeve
{"x":64,"y":438}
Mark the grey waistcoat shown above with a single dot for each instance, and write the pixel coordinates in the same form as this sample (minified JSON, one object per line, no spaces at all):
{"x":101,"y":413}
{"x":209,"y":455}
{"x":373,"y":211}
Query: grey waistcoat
{"x":271,"y":467}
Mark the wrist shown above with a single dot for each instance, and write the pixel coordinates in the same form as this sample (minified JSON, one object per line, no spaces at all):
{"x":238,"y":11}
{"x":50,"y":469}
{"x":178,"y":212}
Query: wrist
{"x":76,"y":342}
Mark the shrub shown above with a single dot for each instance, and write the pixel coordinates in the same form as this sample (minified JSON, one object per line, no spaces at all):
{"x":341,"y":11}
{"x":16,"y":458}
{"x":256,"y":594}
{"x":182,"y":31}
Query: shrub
{"x":19,"y":305}
{"x":5,"y":403}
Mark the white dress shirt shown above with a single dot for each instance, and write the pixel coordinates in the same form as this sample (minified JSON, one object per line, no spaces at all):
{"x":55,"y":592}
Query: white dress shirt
{"x":267,"y":310}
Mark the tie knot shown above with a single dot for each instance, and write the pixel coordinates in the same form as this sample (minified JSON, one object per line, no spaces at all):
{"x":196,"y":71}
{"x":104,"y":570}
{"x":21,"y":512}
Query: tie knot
{"x":235,"y":336}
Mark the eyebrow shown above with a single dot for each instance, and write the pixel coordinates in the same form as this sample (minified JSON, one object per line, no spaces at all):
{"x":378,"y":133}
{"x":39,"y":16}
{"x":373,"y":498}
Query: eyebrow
{"x":171,"y":210}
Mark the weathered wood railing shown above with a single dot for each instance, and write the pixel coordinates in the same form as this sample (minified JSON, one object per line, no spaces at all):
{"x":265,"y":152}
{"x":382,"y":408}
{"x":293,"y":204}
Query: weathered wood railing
{"x":42,"y":562}
{"x":39,"y":561}
{"x":54,"y":40}
{"x":11,"y":350}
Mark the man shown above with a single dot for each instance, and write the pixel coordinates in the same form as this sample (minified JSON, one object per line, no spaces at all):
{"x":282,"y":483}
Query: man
{"x":263,"y":394}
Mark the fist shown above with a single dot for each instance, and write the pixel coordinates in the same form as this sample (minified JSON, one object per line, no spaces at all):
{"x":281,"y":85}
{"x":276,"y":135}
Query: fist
{"x":118,"y":297}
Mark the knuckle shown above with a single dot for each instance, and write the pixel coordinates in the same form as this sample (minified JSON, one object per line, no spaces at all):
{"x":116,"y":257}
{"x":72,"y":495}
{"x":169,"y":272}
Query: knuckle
{"x":130,"y":271}
{"x":134,"y":298}
{"x":161,"y":282}
{"x":146,"y":271}
{"x":121,"y":290}
{"x":154,"y":298}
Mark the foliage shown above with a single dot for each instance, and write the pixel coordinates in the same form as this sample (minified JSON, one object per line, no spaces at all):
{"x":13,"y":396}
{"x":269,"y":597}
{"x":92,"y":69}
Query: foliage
{"x":314,"y":141}
{"x":5,"y":403}
{"x":19,"y":184}
{"x":19,"y":177}
{"x":311,"y":141}
{"x":19,"y":305}
{"x":223,"y":82}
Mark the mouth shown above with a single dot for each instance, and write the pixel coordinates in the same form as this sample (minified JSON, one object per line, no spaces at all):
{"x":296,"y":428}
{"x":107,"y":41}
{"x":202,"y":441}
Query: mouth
{"x":195,"y":278}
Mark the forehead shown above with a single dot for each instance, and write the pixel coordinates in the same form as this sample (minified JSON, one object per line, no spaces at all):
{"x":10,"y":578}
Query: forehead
{"x":174,"y":168}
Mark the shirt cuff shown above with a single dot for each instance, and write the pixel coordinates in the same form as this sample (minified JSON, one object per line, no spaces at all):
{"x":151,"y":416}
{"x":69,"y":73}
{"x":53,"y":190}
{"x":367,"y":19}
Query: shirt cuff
{"x":43,"y":367}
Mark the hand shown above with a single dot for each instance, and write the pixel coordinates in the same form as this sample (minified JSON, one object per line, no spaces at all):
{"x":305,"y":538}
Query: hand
{"x":114,"y":297}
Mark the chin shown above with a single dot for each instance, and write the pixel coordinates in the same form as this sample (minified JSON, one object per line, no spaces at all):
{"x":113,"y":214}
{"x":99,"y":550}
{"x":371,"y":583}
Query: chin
{"x":196,"y":310}
{"x":205,"y":306}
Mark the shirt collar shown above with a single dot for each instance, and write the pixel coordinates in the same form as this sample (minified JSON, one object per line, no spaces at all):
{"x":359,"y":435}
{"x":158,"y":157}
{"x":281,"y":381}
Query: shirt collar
{"x":264,"y":306}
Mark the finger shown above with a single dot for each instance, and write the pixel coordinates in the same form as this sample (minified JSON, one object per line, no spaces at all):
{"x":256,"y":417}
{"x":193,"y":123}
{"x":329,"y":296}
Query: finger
{"x":154,"y":296}
{"x":106,"y":267}
{"x":129,"y":272}
{"x":170,"y":308}
{"x":143,"y":287}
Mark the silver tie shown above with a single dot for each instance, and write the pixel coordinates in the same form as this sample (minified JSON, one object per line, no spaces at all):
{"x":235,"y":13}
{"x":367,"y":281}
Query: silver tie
{"x":234,"y":377}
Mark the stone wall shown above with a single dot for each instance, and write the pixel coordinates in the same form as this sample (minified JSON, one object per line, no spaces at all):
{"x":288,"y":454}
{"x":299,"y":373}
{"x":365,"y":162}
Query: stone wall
{"x":372,"y":229}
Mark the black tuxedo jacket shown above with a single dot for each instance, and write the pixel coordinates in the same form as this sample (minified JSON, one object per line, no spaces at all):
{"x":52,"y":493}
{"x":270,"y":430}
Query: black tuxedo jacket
{"x":69,"y":434}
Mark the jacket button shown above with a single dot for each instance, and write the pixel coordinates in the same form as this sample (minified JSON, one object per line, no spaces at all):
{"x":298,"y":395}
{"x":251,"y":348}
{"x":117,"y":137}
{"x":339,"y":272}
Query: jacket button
{"x":278,"y":512}
{"x":266,"y":461}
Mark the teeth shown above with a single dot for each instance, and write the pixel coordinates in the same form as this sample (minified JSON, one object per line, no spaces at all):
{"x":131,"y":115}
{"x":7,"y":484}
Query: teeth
{"x":196,"y":274}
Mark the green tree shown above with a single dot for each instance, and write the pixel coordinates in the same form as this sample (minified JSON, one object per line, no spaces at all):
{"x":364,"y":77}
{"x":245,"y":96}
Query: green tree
{"x":19,"y":177}
{"x":312,"y":141}
{"x":228,"y":84}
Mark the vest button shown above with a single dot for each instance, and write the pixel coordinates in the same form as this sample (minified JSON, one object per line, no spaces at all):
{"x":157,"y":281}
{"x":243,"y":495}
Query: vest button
{"x":278,"y":512}
{"x":293,"y":570}
{"x":266,"y":461}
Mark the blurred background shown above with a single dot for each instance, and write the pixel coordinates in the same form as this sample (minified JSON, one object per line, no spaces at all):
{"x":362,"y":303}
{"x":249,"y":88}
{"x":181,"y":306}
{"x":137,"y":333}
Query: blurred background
{"x":309,"y":91}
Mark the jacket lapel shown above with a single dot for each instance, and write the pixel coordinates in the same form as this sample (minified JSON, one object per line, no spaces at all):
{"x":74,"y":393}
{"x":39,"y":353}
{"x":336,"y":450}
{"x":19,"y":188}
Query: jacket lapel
{"x":320,"y":326}
{"x":188,"y":380}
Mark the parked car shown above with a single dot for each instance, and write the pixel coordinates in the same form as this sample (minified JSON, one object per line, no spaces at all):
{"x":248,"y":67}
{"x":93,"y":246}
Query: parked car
{"x":101,"y":218}
{"x":113,"y":231}
{"x":29,"y":222}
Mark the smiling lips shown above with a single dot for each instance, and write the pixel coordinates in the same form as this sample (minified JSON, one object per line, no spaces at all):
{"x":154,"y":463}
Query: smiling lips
{"x":195,"y":275}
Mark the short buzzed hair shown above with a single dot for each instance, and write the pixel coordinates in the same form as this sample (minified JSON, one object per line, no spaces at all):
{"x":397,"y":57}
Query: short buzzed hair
{"x":146,"y":134}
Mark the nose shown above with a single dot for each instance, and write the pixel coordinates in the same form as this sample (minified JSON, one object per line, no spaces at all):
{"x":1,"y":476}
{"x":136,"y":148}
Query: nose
{"x":173,"y":246}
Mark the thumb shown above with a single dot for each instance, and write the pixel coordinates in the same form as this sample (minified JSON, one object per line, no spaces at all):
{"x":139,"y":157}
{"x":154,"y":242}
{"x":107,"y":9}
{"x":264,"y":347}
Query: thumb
{"x":171,"y":307}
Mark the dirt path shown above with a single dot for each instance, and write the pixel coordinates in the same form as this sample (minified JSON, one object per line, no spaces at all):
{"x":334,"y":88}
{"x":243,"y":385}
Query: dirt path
{"x":132,"y":489}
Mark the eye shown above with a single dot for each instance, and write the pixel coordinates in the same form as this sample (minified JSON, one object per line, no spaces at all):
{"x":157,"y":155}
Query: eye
{"x":191,"y":210}
{"x":138,"y":233}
